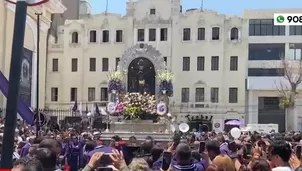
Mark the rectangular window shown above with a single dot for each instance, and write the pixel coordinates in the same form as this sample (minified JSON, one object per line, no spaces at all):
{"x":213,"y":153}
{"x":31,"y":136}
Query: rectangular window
{"x":92,"y":64}
{"x":105,"y":36}
{"x":214,"y":95}
{"x":152,"y":35}
{"x":163,"y":34}
{"x":105,"y":64}
{"x":186,"y":63}
{"x":261,"y":51}
{"x":200,"y":63}
{"x":54,"y":94}
{"x":165,"y":59}
{"x":265,"y":27}
{"x":55,"y":65}
{"x":215,"y":33}
{"x":233,"y":95}
{"x":152,"y":11}
{"x":92,"y":36}
{"x":91,"y":94}
{"x":140,"y":35}
{"x":104,"y":94}
{"x":185,"y":95}
{"x":119,"y":36}
{"x":215,"y":63}
{"x":295,"y":30}
{"x":234,"y":63}
{"x":117,"y":60}
{"x":74,"y":65}
{"x":73,"y":94}
{"x":199,"y":95}
{"x":295,"y":51}
{"x":186,"y":34}
{"x":201,"y":34}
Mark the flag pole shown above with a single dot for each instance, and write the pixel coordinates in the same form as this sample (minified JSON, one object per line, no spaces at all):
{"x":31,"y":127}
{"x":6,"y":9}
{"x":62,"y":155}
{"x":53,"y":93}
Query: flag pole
{"x":14,"y":84}
{"x":106,"y":6}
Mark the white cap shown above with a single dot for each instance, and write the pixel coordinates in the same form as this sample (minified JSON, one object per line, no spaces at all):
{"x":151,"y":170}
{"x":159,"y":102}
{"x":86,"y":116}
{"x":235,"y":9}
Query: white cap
{"x":96,"y":133}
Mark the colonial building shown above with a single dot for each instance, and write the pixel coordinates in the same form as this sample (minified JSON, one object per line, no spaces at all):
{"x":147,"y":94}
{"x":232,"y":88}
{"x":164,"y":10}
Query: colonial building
{"x":266,"y":72}
{"x":29,"y":62}
{"x":205,"y":50}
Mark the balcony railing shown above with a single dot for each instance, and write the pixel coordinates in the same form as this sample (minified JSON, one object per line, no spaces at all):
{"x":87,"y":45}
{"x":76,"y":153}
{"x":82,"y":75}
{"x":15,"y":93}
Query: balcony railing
{"x":56,"y":46}
{"x":206,"y":108}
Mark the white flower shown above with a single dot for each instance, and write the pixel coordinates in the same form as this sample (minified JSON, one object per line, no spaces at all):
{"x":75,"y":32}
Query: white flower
{"x":164,"y":75}
{"x":117,"y":75}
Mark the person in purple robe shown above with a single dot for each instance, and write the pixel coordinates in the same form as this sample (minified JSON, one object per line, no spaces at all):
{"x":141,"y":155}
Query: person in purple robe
{"x":63,"y":153}
{"x":224,"y":149}
{"x":88,"y":147}
{"x":25,"y":149}
{"x":179,"y":162}
{"x":75,"y":153}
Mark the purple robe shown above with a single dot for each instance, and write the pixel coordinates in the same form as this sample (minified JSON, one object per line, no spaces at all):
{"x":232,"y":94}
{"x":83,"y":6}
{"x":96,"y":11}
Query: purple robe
{"x":63,"y":154}
{"x":75,"y":152}
{"x":25,"y":149}
{"x":198,"y":165}
{"x":224,"y":149}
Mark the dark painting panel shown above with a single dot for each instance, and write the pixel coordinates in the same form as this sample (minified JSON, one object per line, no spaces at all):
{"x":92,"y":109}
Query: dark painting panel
{"x":26,"y":77}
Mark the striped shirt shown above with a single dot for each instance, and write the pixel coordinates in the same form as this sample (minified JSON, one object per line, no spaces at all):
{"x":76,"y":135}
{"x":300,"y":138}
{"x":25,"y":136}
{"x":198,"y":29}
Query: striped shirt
{"x":15,"y":156}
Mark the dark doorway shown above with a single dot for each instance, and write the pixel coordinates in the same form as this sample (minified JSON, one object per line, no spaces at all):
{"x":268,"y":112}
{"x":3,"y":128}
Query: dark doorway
{"x":200,"y":123}
{"x":141,"y":76}
{"x":269,"y":112}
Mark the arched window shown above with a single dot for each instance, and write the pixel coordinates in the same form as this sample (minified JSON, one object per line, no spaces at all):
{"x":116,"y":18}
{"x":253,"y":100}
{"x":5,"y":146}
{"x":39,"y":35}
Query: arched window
{"x":92,"y":36}
{"x":75,"y":37}
{"x":234,"y":33}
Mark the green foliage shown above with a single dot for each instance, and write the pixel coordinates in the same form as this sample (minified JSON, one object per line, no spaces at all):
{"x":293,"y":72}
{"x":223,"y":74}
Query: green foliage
{"x":288,"y":101}
{"x":132,"y":112}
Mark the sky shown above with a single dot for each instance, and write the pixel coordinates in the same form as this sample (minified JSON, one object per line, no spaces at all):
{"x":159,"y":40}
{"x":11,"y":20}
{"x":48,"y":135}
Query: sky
{"x":230,"y":7}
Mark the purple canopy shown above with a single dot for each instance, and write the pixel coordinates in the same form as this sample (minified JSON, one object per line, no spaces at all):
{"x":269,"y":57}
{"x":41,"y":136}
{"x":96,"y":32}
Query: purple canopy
{"x":234,"y":123}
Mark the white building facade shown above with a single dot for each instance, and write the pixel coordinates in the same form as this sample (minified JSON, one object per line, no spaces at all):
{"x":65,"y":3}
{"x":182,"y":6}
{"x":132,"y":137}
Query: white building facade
{"x":206,"y":51}
{"x":267,"y":45}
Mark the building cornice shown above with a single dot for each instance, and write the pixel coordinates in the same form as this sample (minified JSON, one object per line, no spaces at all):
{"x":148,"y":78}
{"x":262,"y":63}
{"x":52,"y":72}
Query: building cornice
{"x":44,"y":26}
{"x":56,"y":6}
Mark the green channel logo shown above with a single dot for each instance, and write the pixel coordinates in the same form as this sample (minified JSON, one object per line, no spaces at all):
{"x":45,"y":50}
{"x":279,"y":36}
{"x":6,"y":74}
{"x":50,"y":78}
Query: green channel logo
{"x":280,"y":19}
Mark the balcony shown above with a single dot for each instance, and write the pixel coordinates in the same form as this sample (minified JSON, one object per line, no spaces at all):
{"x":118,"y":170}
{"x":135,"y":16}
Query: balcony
{"x":55,"y":47}
{"x":264,"y":64}
{"x":267,"y":83}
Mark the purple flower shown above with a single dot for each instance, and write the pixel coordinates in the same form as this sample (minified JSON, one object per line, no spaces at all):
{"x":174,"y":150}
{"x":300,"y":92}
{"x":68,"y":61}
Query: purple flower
{"x":166,"y":86}
{"x":115,"y":85}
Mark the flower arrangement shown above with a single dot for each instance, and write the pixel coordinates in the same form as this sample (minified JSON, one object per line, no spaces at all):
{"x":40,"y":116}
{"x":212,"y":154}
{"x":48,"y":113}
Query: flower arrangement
{"x":136,"y":105}
{"x":165,"y":79}
{"x":164,"y":76}
{"x":116,"y":80}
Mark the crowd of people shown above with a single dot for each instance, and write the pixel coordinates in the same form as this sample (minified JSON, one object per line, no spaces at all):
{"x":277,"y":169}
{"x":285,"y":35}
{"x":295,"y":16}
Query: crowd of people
{"x":72,"y":150}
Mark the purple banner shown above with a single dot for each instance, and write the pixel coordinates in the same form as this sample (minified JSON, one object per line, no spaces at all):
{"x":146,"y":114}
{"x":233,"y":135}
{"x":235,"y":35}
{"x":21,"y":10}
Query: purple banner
{"x":23,"y":109}
{"x":26,"y":77}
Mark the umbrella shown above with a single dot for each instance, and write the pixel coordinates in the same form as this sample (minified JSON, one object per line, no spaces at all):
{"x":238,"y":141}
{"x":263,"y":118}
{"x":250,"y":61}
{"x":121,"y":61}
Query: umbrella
{"x":106,"y":150}
{"x":234,"y":123}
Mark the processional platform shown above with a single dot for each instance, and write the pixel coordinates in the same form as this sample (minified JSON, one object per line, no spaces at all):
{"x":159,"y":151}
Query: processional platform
{"x":140,"y":129}
{"x":138,"y":126}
